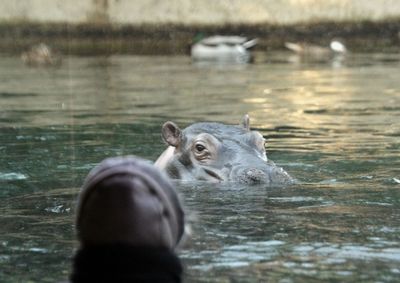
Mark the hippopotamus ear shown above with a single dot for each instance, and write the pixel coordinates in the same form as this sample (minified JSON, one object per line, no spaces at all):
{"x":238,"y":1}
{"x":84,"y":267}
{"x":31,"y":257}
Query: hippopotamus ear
{"x":246,"y":122}
{"x":171,"y":133}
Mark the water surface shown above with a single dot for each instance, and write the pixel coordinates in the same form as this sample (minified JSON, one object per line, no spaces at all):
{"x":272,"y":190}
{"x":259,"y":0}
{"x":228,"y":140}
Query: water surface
{"x":335,"y":126}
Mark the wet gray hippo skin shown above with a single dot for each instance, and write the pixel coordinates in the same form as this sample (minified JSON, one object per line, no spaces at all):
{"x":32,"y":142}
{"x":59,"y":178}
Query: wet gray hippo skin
{"x":218,"y":152}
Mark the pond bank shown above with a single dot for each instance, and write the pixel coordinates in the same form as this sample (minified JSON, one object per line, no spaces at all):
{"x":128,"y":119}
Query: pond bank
{"x":153,"y":39}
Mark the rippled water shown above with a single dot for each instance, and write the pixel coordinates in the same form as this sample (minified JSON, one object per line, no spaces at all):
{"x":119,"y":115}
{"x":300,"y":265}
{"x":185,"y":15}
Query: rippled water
{"x":335,"y":126}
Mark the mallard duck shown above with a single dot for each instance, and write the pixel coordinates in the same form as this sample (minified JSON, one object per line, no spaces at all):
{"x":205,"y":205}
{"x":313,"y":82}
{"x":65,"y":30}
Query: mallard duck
{"x":223,"y":48}
{"x":335,"y":47}
{"x":41,"y":55}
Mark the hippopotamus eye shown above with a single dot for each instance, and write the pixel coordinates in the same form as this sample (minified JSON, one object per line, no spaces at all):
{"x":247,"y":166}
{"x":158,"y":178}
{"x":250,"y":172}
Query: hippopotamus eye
{"x":200,"y":151}
{"x":200,"y":147}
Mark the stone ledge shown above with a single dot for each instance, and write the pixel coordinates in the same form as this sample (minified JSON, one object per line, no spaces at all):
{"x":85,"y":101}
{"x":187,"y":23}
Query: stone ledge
{"x":94,"y":39}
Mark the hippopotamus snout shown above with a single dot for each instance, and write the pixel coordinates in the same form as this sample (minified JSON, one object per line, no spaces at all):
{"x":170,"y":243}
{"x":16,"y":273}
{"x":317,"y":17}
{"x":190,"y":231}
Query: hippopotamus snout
{"x":254,"y":176}
{"x":249,"y":175}
{"x":265,"y":173}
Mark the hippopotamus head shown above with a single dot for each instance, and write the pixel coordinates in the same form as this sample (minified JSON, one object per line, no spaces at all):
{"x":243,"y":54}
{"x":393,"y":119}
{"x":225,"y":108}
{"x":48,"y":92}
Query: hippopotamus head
{"x":218,"y":152}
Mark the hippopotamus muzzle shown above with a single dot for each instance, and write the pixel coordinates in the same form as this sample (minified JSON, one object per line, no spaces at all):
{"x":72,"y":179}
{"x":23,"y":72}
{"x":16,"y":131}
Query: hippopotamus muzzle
{"x":218,"y":153}
{"x":268,"y":174}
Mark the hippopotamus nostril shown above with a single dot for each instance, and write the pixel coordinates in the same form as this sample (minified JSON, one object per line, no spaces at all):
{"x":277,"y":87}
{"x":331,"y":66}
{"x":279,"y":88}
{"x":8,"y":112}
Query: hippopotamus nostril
{"x":255,"y":175}
{"x":251,"y":176}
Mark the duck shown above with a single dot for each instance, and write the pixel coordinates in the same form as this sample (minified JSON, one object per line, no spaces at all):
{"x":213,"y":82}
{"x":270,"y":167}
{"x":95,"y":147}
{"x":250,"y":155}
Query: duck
{"x":335,"y":48}
{"x":41,"y":55}
{"x":223,"y":48}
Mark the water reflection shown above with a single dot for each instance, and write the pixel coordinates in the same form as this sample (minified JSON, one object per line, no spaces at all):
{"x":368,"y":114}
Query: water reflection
{"x":335,"y":129}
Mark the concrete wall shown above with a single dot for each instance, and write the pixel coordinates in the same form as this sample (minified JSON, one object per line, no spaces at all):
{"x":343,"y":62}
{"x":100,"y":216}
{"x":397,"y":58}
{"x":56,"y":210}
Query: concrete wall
{"x":191,"y":12}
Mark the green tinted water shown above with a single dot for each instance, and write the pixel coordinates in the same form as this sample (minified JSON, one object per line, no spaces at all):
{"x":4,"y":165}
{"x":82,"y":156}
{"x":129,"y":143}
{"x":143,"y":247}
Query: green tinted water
{"x":335,"y":126}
